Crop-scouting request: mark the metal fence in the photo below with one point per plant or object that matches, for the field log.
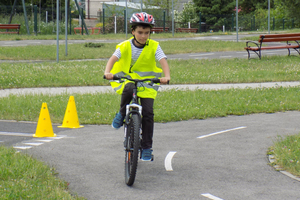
(110, 23)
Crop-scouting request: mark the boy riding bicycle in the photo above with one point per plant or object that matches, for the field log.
(136, 58)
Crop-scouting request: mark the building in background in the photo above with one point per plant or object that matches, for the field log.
(94, 8)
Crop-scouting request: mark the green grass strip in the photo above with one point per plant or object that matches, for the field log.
(89, 73)
(169, 106)
(23, 177)
(287, 153)
(79, 51)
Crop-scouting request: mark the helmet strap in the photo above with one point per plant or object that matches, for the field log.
(146, 44)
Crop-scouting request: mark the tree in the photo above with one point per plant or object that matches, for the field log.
(163, 4)
(213, 12)
(250, 6)
(290, 8)
(188, 14)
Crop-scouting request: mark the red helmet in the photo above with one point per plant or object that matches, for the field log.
(142, 18)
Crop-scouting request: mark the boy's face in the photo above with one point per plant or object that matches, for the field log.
(141, 34)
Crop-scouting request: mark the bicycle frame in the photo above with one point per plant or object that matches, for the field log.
(132, 133)
(134, 107)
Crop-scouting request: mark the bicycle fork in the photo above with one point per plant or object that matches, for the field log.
(131, 109)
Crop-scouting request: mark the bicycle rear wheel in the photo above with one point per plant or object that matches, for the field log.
(132, 145)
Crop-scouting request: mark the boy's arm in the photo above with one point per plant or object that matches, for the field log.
(109, 66)
(164, 64)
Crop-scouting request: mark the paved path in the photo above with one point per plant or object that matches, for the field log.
(105, 89)
(222, 158)
(53, 42)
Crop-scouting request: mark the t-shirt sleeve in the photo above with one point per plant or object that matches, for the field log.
(117, 53)
(159, 53)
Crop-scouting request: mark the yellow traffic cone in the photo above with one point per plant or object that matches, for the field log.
(71, 117)
(44, 126)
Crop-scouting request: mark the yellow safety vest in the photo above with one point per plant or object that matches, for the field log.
(144, 67)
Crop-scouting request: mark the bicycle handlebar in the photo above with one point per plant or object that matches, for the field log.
(154, 80)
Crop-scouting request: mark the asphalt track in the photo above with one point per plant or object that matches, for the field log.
(218, 158)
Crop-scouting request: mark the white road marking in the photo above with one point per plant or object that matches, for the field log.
(16, 134)
(58, 137)
(216, 133)
(30, 135)
(33, 143)
(22, 147)
(211, 196)
(168, 160)
(41, 140)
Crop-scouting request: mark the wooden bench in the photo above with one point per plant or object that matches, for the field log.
(10, 27)
(159, 29)
(91, 30)
(187, 30)
(292, 37)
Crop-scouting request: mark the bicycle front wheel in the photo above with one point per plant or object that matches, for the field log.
(132, 145)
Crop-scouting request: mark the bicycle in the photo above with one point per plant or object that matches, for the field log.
(132, 130)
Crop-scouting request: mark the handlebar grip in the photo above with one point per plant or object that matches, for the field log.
(157, 80)
(116, 77)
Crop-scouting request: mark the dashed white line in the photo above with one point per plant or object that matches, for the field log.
(211, 196)
(168, 160)
(22, 147)
(16, 134)
(45, 140)
(58, 137)
(219, 132)
(33, 143)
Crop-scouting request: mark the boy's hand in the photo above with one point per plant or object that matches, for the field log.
(164, 80)
(108, 76)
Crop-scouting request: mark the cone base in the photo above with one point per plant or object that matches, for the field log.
(62, 126)
(37, 135)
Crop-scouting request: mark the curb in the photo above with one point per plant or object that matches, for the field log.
(271, 159)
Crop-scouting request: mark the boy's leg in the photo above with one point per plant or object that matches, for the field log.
(147, 122)
(126, 97)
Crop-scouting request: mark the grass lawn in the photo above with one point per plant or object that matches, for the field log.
(84, 51)
(90, 73)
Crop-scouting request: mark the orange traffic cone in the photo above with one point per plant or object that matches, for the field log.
(71, 118)
(44, 126)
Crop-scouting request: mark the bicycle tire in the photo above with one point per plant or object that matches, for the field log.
(132, 149)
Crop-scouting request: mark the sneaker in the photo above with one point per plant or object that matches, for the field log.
(118, 121)
(146, 155)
